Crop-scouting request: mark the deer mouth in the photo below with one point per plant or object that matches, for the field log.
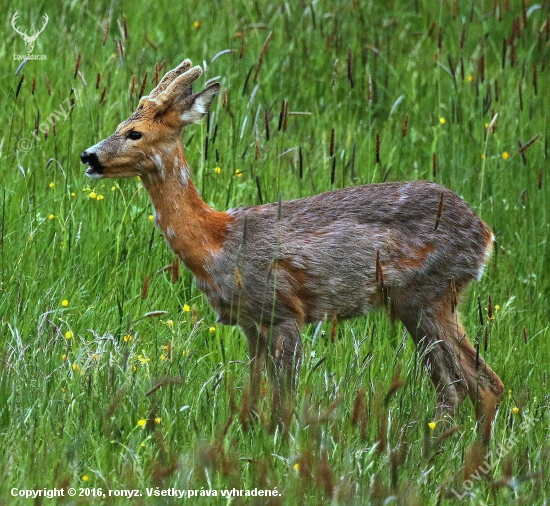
(94, 172)
(95, 167)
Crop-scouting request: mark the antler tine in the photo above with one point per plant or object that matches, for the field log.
(179, 87)
(15, 16)
(38, 32)
(183, 67)
(46, 19)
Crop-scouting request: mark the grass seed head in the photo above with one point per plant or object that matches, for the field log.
(324, 475)
(281, 116)
(105, 33)
(350, 68)
(175, 269)
(143, 84)
(132, 86)
(102, 98)
(266, 122)
(370, 92)
(285, 116)
(145, 287)
(261, 58)
(334, 329)
(405, 126)
(77, 66)
(47, 81)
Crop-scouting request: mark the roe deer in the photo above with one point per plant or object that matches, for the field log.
(410, 247)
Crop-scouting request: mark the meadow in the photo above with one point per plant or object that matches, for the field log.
(114, 375)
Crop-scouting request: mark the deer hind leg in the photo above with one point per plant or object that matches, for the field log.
(450, 359)
(485, 388)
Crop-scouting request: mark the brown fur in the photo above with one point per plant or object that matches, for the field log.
(409, 247)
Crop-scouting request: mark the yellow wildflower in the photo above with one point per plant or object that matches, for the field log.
(186, 308)
(515, 410)
(238, 173)
(151, 217)
(63, 357)
(64, 302)
(51, 216)
(75, 367)
(442, 120)
(170, 323)
(505, 155)
(296, 467)
(68, 334)
(432, 425)
(85, 477)
(157, 420)
(93, 195)
(212, 329)
(197, 24)
(127, 338)
(142, 422)
(218, 170)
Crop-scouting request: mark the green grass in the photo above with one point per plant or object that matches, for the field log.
(69, 408)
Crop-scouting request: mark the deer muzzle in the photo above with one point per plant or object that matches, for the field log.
(95, 167)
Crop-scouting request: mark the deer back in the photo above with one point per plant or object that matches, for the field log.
(333, 253)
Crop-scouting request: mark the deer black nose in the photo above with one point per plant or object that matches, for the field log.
(90, 158)
(85, 157)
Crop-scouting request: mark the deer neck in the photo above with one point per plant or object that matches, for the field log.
(194, 231)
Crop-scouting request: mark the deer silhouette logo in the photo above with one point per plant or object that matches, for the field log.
(29, 39)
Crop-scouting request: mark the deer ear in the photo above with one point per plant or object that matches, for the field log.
(193, 108)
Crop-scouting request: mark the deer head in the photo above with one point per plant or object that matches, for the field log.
(153, 131)
(29, 39)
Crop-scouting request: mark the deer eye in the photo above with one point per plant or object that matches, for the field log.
(133, 135)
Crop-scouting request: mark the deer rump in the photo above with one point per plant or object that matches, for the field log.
(345, 252)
